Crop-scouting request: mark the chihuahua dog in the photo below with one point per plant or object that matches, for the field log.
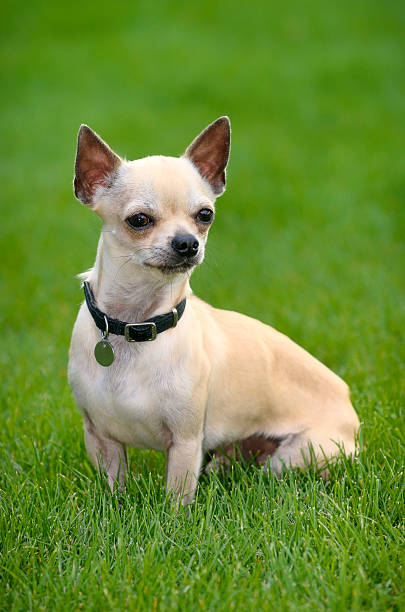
(153, 366)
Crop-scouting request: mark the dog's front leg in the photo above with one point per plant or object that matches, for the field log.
(106, 455)
(184, 459)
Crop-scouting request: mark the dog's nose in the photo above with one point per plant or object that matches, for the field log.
(185, 244)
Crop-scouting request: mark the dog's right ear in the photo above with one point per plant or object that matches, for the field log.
(95, 165)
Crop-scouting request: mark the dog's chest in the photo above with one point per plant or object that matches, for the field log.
(135, 399)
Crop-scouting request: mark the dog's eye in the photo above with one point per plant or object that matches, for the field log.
(205, 215)
(139, 221)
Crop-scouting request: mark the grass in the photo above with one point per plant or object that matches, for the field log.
(309, 238)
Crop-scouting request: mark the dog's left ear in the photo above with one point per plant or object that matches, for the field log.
(95, 165)
(209, 152)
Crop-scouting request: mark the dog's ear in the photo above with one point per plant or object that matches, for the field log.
(95, 165)
(209, 152)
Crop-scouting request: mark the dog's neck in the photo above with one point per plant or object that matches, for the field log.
(128, 291)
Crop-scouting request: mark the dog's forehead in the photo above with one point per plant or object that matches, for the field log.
(168, 181)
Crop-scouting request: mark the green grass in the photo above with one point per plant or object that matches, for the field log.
(309, 238)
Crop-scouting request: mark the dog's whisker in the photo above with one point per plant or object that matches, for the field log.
(122, 265)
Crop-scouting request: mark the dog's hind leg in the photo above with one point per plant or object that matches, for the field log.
(300, 450)
(107, 455)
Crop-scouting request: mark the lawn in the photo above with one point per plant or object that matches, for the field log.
(309, 238)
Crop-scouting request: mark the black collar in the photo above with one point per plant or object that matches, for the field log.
(133, 332)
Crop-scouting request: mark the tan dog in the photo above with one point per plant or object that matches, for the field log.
(218, 377)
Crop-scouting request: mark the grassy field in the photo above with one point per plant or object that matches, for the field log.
(309, 238)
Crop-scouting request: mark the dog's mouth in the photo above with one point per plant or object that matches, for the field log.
(174, 268)
(169, 262)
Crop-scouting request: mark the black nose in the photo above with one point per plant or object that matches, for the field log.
(185, 244)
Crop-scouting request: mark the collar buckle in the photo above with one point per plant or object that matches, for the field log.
(175, 317)
(135, 326)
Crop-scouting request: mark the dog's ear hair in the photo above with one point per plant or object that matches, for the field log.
(95, 165)
(209, 153)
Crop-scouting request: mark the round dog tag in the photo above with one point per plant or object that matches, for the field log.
(104, 353)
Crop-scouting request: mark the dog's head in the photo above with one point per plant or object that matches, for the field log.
(158, 209)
